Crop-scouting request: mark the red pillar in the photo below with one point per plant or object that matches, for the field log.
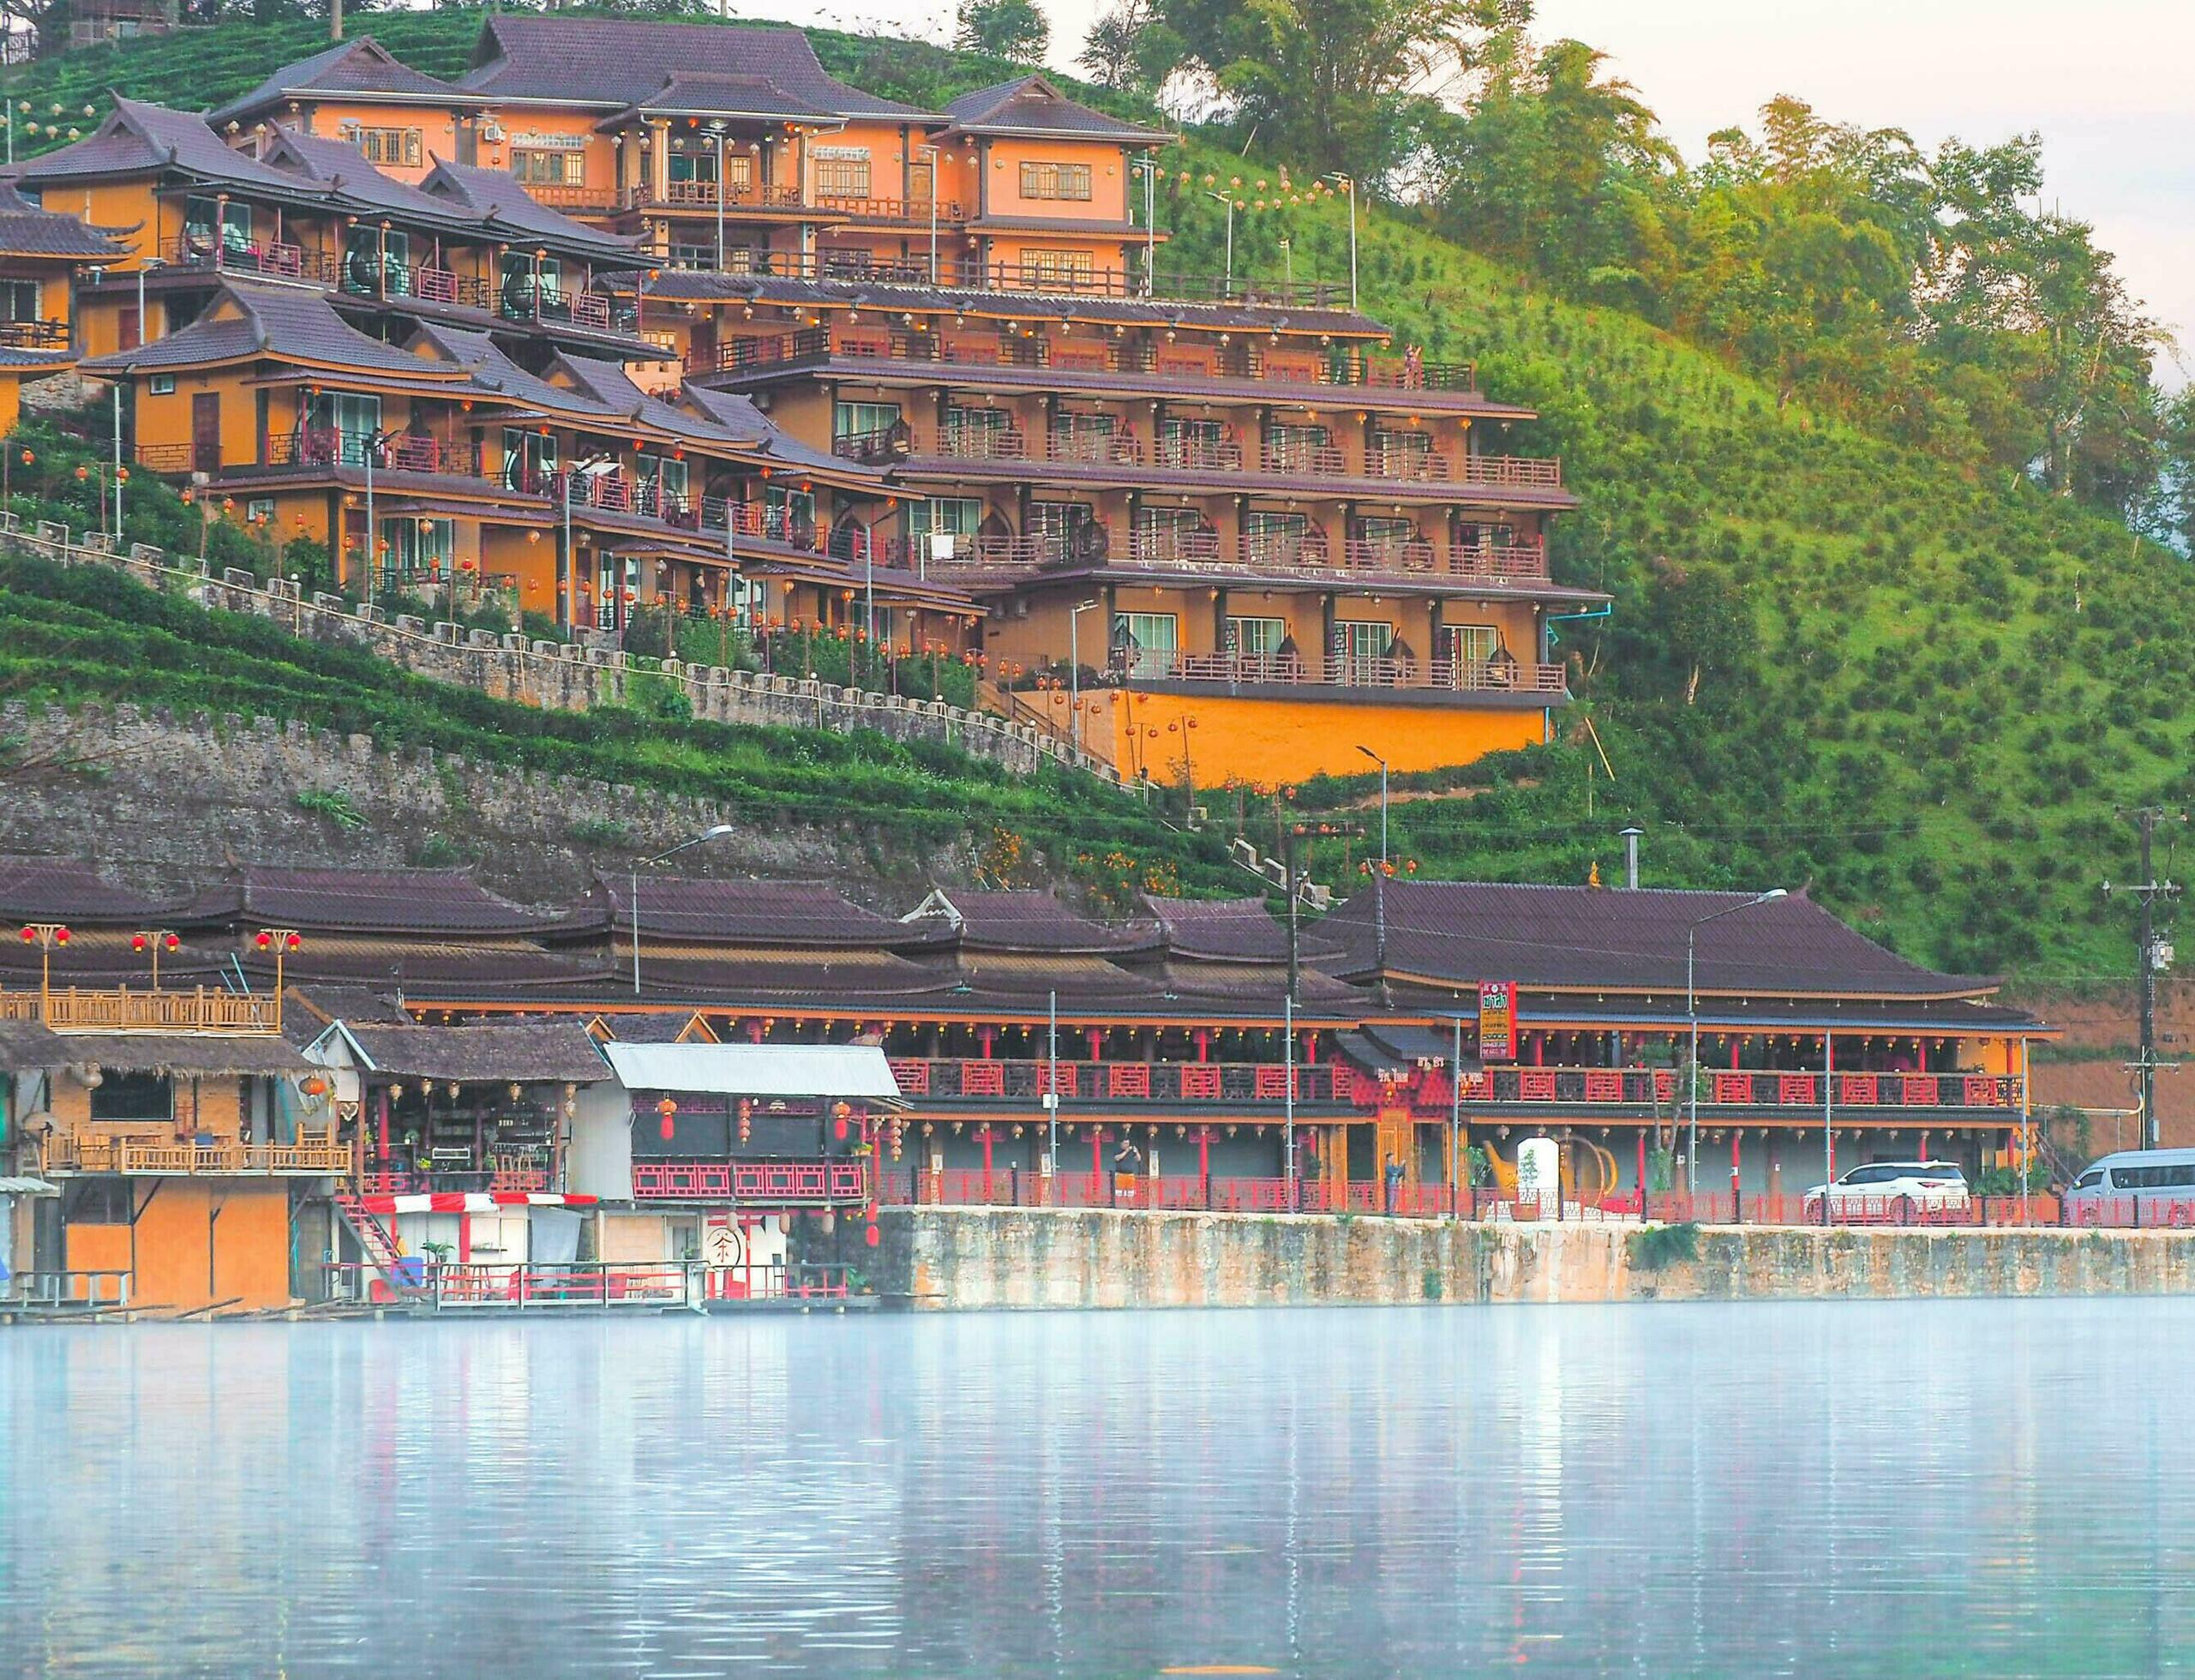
(1922, 1154)
(1203, 1044)
(1097, 1161)
(987, 1161)
(1204, 1153)
(986, 1033)
(1737, 1134)
(1642, 1171)
(1096, 1039)
(1311, 1049)
(384, 1126)
(1734, 1049)
(1539, 1049)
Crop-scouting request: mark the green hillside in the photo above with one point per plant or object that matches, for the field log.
(1925, 689)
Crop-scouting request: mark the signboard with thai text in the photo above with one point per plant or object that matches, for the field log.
(1497, 1020)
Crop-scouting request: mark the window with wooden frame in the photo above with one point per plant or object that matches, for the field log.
(841, 177)
(1057, 181)
(387, 148)
(549, 169)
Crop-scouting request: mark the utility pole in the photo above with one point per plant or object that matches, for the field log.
(2153, 957)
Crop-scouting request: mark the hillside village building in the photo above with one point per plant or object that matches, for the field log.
(654, 315)
(377, 1053)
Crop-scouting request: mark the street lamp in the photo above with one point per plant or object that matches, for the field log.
(281, 941)
(1075, 670)
(45, 935)
(1183, 727)
(717, 127)
(1692, 1014)
(155, 940)
(1349, 182)
(1229, 200)
(717, 831)
(934, 154)
(1379, 881)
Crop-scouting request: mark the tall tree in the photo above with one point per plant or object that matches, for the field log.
(1132, 47)
(1012, 29)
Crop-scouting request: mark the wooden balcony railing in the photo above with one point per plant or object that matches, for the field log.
(34, 334)
(1347, 671)
(199, 1010)
(91, 1153)
(1639, 1086)
(963, 1080)
(891, 209)
(752, 1183)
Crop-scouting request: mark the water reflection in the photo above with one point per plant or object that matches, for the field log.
(1787, 1488)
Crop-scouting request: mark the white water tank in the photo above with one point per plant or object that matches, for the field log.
(1539, 1174)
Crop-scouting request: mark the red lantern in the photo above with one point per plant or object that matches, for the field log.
(174, 943)
(61, 936)
(137, 942)
(295, 942)
(667, 1108)
(30, 935)
(263, 940)
(871, 1237)
(746, 1119)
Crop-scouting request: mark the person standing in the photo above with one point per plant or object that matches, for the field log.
(1393, 1176)
(1127, 1162)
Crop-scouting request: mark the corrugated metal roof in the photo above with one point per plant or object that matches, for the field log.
(756, 1069)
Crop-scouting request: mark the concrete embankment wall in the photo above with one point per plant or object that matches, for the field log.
(941, 1257)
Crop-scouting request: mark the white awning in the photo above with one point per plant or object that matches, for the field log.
(756, 1069)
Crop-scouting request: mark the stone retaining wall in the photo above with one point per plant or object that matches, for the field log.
(951, 1257)
(552, 674)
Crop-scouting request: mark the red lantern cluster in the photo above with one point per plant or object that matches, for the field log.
(746, 1119)
(265, 941)
(60, 936)
(141, 942)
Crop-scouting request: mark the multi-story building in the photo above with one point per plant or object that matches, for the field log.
(334, 355)
(42, 254)
(1210, 528)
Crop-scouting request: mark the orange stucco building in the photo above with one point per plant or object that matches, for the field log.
(638, 313)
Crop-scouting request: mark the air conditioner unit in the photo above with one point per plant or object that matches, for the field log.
(1318, 897)
(491, 132)
(1243, 853)
(1275, 872)
(1197, 818)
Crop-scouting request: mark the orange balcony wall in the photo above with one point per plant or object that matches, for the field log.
(434, 132)
(1004, 193)
(1272, 742)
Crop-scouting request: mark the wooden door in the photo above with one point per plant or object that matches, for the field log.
(206, 432)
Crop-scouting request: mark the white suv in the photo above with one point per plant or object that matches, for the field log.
(1893, 1192)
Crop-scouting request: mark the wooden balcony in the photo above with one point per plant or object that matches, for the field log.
(1200, 1084)
(123, 1010)
(313, 1156)
(808, 1183)
(1649, 1088)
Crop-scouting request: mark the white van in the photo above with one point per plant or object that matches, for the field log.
(2134, 1187)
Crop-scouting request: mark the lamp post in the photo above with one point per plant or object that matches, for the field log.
(1185, 727)
(1075, 670)
(716, 831)
(1052, 1094)
(1692, 1014)
(1350, 184)
(717, 127)
(45, 935)
(155, 940)
(1147, 165)
(281, 941)
(1379, 881)
(1229, 200)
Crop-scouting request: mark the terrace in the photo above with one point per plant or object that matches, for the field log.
(1309, 558)
(310, 1156)
(121, 1010)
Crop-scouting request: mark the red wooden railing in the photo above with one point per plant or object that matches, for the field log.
(766, 1182)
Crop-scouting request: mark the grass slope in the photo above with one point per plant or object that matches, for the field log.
(1832, 661)
(70, 635)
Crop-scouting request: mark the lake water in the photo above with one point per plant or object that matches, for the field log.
(1834, 1488)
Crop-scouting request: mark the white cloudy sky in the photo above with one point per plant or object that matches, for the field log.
(2107, 83)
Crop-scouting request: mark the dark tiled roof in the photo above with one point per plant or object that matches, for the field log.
(65, 889)
(138, 135)
(27, 231)
(681, 284)
(803, 915)
(399, 964)
(288, 323)
(431, 901)
(494, 194)
(322, 1004)
(739, 417)
(491, 370)
(360, 66)
(1030, 922)
(832, 977)
(1233, 929)
(609, 384)
(1031, 104)
(1464, 933)
(339, 165)
(521, 1051)
(650, 1026)
(733, 95)
(624, 61)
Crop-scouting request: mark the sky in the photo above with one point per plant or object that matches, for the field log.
(2105, 82)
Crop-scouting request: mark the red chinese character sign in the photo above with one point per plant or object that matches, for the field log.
(1497, 1020)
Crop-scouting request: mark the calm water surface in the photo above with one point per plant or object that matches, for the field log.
(1843, 1488)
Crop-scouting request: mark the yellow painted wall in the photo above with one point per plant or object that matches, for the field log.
(196, 1242)
(1271, 742)
(1108, 199)
(438, 129)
